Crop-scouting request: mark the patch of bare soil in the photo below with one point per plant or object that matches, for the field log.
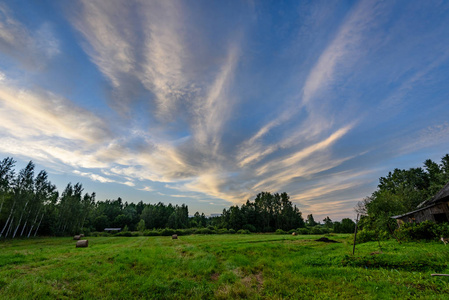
(326, 240)
(215, 276)
(253, 281)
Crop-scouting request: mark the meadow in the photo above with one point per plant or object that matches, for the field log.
(255, 266)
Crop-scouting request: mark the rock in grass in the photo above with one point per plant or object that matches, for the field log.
(77, 237)
(81, 244)
(294, 233)
(174, 237)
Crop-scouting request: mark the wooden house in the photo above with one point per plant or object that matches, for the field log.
(435, 210)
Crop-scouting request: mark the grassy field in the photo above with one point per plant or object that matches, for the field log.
(221, 267)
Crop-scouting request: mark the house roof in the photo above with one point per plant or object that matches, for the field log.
(442, 195)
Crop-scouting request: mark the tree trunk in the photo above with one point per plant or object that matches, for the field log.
(9, 228)
(39, 224)
(20, 221)
(34, 222)
(10, 214)
(3, 201)
(26, 221)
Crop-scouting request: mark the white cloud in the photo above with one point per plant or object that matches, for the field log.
(31, 48)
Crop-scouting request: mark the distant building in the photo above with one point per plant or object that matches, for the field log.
(435, 210)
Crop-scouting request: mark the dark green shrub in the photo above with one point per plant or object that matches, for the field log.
(222, 231)
(204, 231)
(151, 233)
(302, 231)
(231, 231)
(250, 227)
(366, 235)
(316, 230)
(243, 231)
(426, 230)
(280, 231)
(167, 232)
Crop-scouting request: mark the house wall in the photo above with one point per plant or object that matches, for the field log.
(427, 214)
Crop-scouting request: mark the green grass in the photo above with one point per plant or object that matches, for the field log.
(221, 267)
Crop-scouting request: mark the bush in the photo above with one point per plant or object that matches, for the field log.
(151, 233)
(366, 235)
(291, 231)
(243, 231)
(426, 230)
(249, 227)
(123, 233)
(280, 231)
(231, 231)
(316, 230)
(302, 231)
(222, 231)
(100, 234)
(167, 232)
(204, 231)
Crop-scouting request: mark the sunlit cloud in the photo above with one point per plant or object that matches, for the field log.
(178, 102)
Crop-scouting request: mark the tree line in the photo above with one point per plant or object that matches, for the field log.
(31, 205)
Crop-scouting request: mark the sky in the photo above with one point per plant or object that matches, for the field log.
(208, 103)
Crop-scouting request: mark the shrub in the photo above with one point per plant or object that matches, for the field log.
(231, 231)
(426, 230)
(280, 231)
(366, 235)
(316, 230)
(100, 234)
(151, 233)
(204, 231)
(222, 231)
(167, 232)
(243, 231)
(291, 231)
(302, 231)
(250, 227)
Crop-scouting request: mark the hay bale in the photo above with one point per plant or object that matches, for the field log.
(81, 244)
(174, 237)
(294, 233)
(76, 237)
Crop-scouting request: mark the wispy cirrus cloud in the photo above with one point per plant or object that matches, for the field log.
(32, 48)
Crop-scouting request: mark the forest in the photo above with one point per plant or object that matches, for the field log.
(31, 205)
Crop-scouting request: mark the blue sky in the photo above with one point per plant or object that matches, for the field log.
(210, 102)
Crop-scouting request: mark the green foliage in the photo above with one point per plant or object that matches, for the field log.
(243, 231)
(141, 225)
(423, 231)
(151, 233)
(302, 231)
(345, 226)
(280, 231)
(400, 192)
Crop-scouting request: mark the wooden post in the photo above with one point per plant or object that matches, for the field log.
(355, 233)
